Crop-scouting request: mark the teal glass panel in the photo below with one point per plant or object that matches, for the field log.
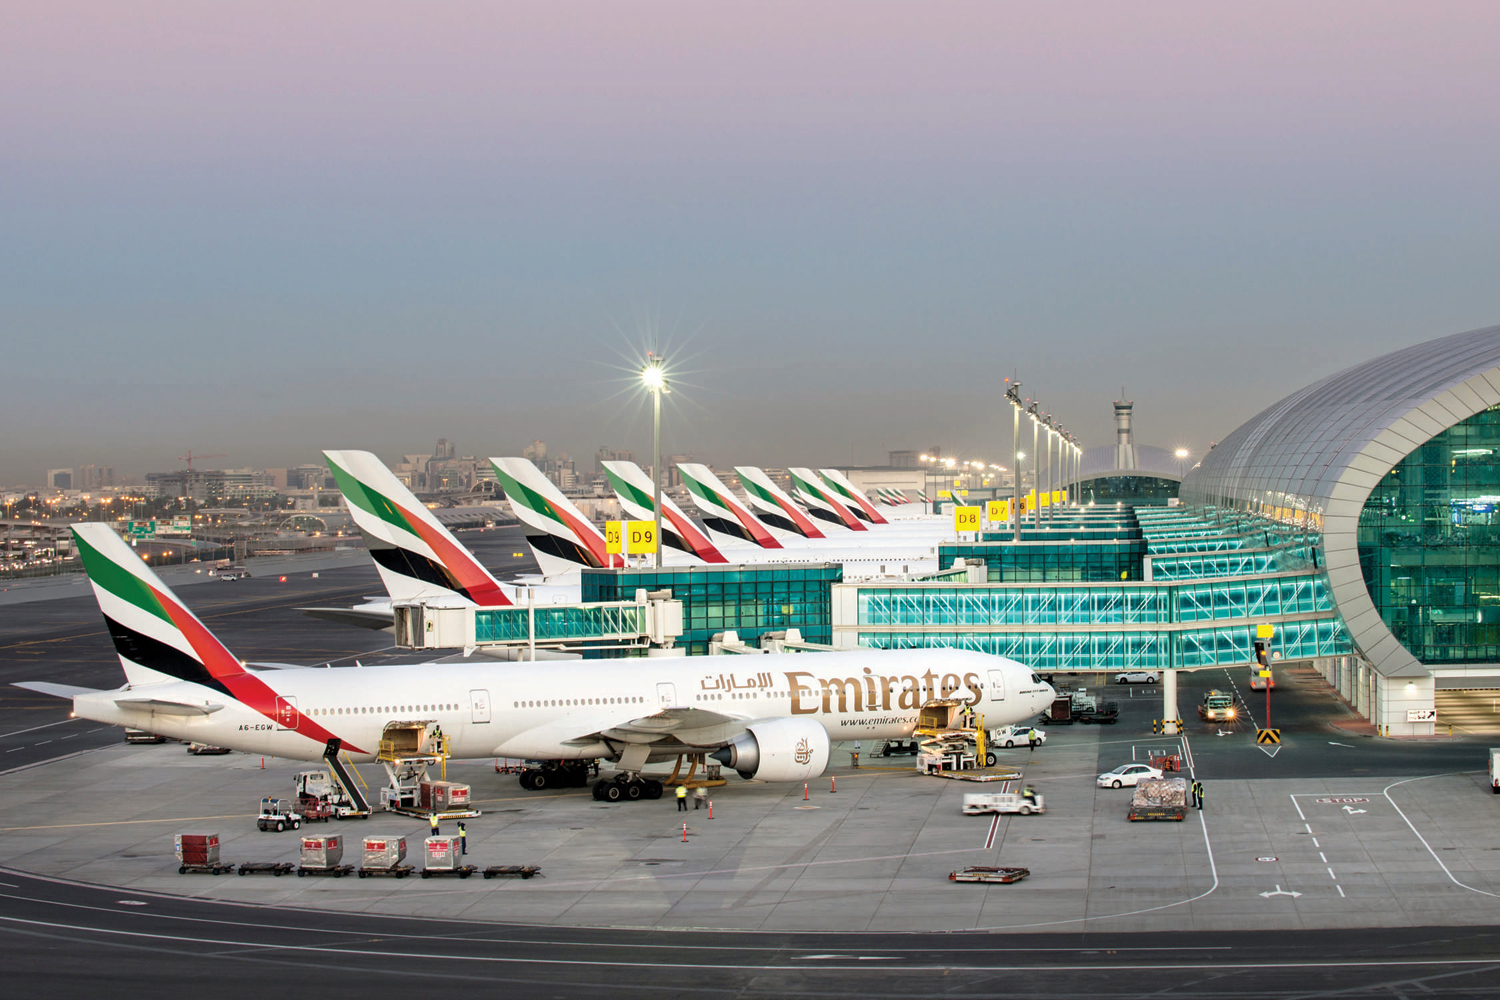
(1429, 544)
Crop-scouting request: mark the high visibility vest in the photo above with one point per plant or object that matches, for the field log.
(682, 791)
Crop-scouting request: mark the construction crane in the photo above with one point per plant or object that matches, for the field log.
(189, 458)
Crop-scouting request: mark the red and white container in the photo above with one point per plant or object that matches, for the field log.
(440, 795)
(442, 852)
(197, 848)
(322, 852)
(384, 852)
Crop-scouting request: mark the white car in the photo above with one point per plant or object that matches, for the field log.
(1127, 776)
(1138, 677)
(1012, 736)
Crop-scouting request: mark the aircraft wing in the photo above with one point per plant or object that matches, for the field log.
(693, 727)
(374, 618)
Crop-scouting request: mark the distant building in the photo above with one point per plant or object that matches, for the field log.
(445, 449)
(1126, 472)
(96, 477)
(535, 452)
(60, 479)
(903, 459)
(605, 454)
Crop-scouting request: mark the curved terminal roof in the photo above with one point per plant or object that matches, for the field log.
(1099, 462)
(1314, 457)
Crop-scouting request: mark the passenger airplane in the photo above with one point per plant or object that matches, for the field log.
(771, 718)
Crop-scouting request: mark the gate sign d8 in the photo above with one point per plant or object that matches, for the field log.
(965, 518)
(642, 537)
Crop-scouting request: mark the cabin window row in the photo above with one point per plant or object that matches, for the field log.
(445, 707)
(568, 702)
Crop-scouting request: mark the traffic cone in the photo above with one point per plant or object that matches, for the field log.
(684, 833)
(804, 791)
(710, 808)
(835, 787)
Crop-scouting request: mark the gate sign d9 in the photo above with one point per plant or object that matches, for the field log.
(965, 518)
(642, 537)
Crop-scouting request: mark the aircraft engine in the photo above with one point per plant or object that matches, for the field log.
(778, 750)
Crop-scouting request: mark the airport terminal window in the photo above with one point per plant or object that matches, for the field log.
(1429, 544)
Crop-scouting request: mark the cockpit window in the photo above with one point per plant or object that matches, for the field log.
(1036, 678)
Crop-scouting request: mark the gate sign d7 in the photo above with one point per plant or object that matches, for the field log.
(965, 518)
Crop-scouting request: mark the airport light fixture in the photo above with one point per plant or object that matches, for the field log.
(655, 381)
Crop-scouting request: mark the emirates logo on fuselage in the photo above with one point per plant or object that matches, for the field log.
(803, 753)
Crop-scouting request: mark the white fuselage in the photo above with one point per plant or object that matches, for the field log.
(558, 710)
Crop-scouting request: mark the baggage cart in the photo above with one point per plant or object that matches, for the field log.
(278, 815)
(277, 868)
(442, 858)
(441, 796)
(322, 856)
(985, 873)
(384, 856)
(199, 853)
(1167, 762)
(1159, 799)
(512, 871)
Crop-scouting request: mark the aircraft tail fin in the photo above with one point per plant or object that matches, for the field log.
(633, 487)
(561, 538)
(416, 555)
(852, 496)
(723, 513)
(775, 507)
(821, 502)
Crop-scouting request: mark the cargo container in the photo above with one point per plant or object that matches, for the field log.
(437, 796)
(384, 852)
(442, 852)
(322, 852)
(197, 848)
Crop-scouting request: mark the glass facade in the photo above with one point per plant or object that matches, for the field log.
(751, 600)
(599, 623)
(1051, 561)
(1137, 490)
(1429, 545)
(1203, 610)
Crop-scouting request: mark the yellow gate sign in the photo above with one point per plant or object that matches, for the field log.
(612, 537)
(642, 537)
(997, 511)
(1265, 631)
(1268, 736)
(965, 518)
(945, 494)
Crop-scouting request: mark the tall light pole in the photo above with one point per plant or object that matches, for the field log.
(655, 381)
(1013, 394)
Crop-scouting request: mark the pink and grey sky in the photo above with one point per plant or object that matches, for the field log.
(267, 229)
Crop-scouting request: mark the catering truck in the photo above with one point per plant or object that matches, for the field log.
(1217, 706)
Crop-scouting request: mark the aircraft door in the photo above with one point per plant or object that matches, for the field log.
(666, 696)
(286, 713)
(997, 685)
(479, 703)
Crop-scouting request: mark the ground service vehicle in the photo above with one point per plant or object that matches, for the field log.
(1217, 706)
(141, 736)
(278, 815)
(1259, 683)
(1127, 776)
(206, 749)
(1012, 736)
(978, 803)
(1137, 677)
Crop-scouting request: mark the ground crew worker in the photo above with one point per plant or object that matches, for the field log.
(432, 822)
(463, 838)
(1031, 738)
(700, 797)
(682, 798)
(1029, 794)
(1198, 794)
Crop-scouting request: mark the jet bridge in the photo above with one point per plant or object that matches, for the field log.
(652, 619)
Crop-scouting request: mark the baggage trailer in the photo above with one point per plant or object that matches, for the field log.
(985, 873)
(277, 868)
(1159, 799)
(512, 871)
(442, 858)
(383, 856)
(323, 856)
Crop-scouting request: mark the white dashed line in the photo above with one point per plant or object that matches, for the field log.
(1332, 875)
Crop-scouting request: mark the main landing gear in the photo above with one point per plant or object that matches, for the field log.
(627, 787)
(556, 776)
